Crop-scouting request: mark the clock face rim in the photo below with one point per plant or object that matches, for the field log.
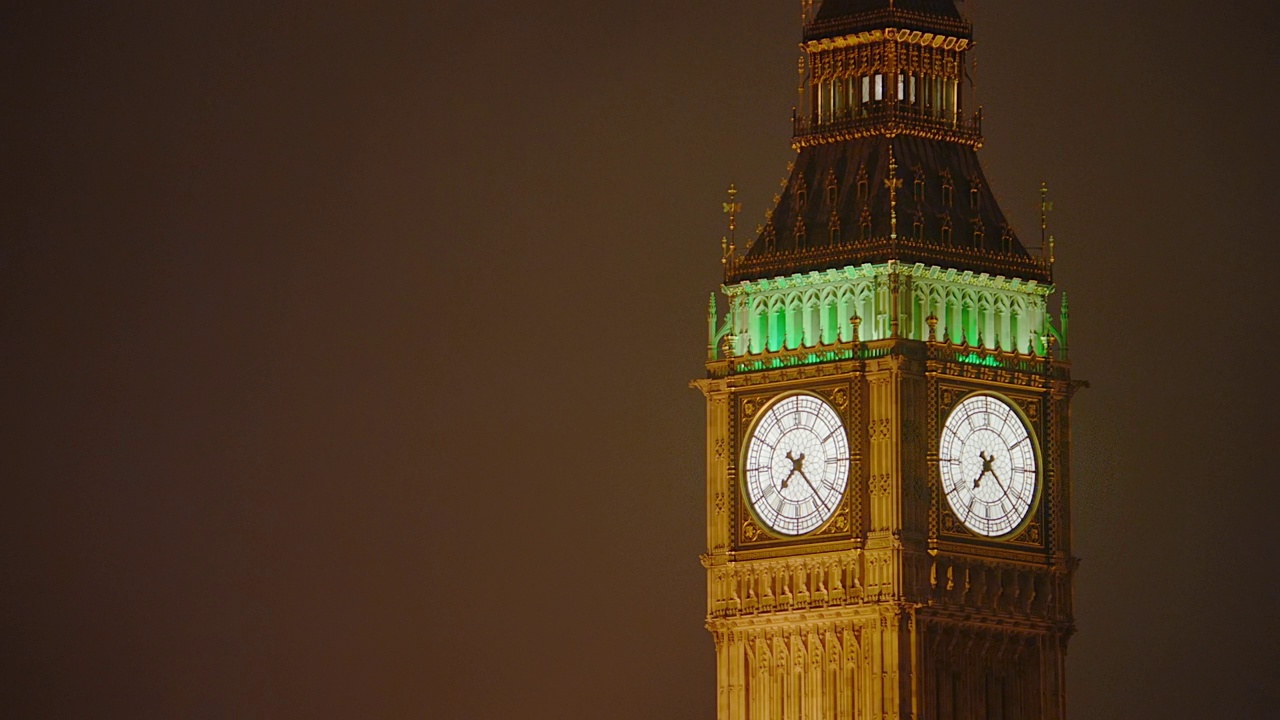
(745, 451)
(1033, 507)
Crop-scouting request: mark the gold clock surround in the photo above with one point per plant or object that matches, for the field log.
(1028, 516)
(750, 533)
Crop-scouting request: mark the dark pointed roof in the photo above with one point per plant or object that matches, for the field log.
(836, 211)
(846, 17)
(837, 8)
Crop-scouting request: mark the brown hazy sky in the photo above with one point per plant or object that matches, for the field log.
(345, 345)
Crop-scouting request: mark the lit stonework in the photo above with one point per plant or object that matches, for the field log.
(887, 290)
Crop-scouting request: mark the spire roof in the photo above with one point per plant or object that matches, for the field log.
(837, 210)
(839, 8)
(844, 17)
(887, 167)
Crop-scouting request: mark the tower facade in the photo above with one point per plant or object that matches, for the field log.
(888, 422)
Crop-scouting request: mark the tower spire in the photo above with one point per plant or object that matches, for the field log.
(729, 245)
(893, 182)
(1046, 207)
(1046, 238)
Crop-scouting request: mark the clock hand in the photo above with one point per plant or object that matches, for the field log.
(787, 480)
(796, 464)
(809, 482)
(986, 468)
(1000, 482)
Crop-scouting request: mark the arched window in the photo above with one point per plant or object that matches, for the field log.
(778, 333)
(812, 321)
(919, 311)
(760, 329)
(795, 325)
(1015, 330)
(831, 321)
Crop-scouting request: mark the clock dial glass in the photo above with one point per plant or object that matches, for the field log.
(987, 463)
(797, 465)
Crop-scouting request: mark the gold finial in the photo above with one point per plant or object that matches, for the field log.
(728, 246)
(1046, 207)
(800, 73)
(732, 208)
(893, 182)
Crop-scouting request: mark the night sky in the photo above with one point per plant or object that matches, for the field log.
(345, 346)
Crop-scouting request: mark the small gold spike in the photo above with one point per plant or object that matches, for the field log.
(1046, 207)
(893, 182)
(728, 246)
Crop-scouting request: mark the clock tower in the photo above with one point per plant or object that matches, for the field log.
(888, 455)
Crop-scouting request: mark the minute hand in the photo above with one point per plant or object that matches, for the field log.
(809, 482)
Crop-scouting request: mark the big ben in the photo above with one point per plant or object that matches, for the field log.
(888, 408)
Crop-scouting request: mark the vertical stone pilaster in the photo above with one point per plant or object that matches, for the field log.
(883, 431)
(718, 466)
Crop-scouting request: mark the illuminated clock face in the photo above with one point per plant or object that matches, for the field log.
(987, 462)
(797, 465)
